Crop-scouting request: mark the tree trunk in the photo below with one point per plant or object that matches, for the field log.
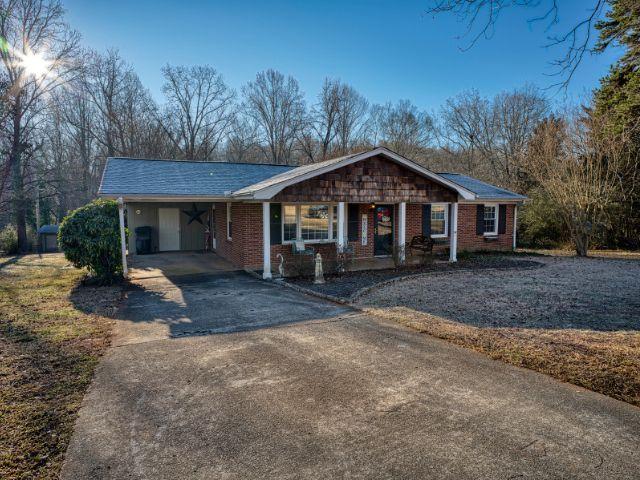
(581, 241)
(17, 180)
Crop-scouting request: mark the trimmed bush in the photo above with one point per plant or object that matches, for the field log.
(90, 238)
(9, 240)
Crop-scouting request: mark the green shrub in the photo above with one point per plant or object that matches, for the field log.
(90, 238)
(9, 240)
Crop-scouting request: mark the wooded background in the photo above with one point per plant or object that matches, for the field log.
(64, 109)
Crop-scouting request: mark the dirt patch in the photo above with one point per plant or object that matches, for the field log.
(48, 351)
(575, 319)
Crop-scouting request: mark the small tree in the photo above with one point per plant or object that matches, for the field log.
(90, 237)
(580, 167)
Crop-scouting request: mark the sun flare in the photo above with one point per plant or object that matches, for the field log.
(35, 64)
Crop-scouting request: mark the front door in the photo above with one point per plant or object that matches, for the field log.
(383, 230)
(168, 229)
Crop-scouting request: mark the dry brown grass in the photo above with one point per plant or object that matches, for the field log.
(605, 362)
(51, 337)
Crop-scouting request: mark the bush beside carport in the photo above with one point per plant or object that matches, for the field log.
(90, 238)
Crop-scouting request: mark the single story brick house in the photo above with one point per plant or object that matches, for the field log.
(370, 204)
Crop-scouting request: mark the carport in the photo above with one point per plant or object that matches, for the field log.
(177, 264)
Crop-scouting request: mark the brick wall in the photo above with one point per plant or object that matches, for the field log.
(467, 238)
(245, 247)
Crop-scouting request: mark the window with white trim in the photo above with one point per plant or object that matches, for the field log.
(289, 223)
(310, 223)
(229, 222)
(490, 219)
(439, 220)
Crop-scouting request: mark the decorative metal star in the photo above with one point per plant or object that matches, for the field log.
(194, 214)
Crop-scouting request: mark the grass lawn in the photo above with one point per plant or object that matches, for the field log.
(577, 320)
(52, 334)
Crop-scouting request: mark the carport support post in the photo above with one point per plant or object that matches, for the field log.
(266, 241)
(453, 244)
(340, 223)
(123, 238)
(402, 228)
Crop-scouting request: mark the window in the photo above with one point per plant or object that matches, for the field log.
(289, 223)
(229, 222)
(490, 219)
(310, 223)
(314, 222)
(439, 220)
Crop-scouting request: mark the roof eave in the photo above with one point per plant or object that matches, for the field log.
(128, 197)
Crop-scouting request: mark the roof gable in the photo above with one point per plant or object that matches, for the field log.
(268, 188)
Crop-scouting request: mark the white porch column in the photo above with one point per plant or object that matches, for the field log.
(453, 244)
(515, 224)
(340, 222)
(266, 241)
(402, 229)
(123, 238)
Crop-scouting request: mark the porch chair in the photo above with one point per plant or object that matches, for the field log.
(421, 243)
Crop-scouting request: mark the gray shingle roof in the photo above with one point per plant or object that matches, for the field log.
(129, 176)
(481, 189)
(291, 174)
(175, 178)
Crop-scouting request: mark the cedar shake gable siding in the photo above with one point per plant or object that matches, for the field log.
(373, 180)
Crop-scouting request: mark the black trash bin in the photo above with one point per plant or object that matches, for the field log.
(143, 240)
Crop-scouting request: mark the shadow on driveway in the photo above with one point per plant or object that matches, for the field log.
(176, 306)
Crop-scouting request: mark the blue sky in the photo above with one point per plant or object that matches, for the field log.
(387, 50)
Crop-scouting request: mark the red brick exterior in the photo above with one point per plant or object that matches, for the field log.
(467, 238)
(245, 247)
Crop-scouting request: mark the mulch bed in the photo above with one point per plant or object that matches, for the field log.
(345, 285)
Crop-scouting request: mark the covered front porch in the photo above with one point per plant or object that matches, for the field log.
(356, 236)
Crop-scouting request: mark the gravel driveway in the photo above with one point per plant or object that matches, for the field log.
(566, 293)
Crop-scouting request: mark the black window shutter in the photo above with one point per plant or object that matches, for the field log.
(353, 223)
(502, 219)
(276, 223)
(480, 219)
(426, 220)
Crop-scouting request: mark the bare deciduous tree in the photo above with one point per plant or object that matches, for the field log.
(351, 122)
(467, 129)
(482, 16)
(491, 137)
(335, 124)
(242, 140)
(126, 115)
(276, 104)
(38, 53)
(580, 167)
(402, 127)
(199, 110)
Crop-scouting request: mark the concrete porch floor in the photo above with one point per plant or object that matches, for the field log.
(172, 264)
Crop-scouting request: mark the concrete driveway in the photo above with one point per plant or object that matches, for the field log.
(279, 385)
